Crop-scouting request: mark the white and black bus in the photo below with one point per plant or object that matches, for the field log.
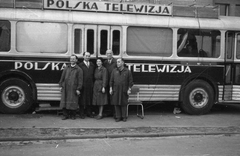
(36, 43)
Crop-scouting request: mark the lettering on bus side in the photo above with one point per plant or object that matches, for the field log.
(78, 5)
(39, 65)
(162, 68)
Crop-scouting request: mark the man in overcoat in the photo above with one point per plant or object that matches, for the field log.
(120, 83)
(110, 63)
(70, 84)
(87, 90)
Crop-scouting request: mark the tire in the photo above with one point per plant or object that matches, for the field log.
(16, 96)
(198, 98)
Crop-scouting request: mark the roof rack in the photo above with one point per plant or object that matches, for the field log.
(179, 8)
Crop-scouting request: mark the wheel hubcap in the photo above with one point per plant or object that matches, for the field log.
(198, 98)
(13, 96)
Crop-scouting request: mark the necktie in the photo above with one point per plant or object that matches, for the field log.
(109, 61)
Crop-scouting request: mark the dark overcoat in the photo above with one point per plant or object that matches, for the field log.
(71, 80)
(101, 80)
(87, 89)
(120, 82)
(110, 66)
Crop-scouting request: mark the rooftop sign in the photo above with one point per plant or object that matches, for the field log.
(136, 8)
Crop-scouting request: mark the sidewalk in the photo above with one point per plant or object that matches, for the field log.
(42, 126)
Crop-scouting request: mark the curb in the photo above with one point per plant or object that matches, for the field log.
(112, 136)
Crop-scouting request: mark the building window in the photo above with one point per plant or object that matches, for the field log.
(224, 9)
(237, 10)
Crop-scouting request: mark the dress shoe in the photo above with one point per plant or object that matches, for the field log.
(124, 120)
(98, 117)
(73, 117)
(82, 116)
(90, 116)
(117, 119)
(64, 118)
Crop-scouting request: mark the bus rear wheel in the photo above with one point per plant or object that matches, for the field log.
(16, 96)
(198, 98)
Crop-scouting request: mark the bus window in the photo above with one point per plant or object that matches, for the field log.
(116, 42)
(229, 44)
(78, 41)
(238, 47)
(90, 41)
(38, 37)
(237, 70)
(198, 43)
(237, 74)
(5, 34)
(149, 41)
(103, 42)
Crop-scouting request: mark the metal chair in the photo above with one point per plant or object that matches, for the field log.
(135, 101)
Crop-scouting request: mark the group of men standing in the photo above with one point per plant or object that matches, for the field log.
(77, 83)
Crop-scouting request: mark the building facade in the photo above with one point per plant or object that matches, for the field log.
(226, 7)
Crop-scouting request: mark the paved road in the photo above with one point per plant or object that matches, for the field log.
(155, 116)
(159, 121)
(170, 146)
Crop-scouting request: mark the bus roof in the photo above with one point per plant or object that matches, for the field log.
(117, 6)
(221, 23)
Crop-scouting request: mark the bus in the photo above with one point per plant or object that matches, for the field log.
(188, 55)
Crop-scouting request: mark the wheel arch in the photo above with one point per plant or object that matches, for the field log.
(23, 76)
(203, 77)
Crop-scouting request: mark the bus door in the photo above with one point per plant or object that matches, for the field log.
(97, 39)
(85, 39)
(109, 37)
(232, 67)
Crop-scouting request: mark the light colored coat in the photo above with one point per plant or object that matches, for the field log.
(71, 80)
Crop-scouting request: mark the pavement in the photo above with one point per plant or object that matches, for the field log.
(159, 121)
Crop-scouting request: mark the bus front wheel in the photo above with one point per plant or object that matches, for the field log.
(16, 96)
(198, 98)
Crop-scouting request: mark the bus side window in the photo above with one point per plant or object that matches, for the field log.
(103, 42)
(209, 43)
(5, 34)
(204, 43)
(116, 42)
(149, 41)
(238, 47)
(237, 72)
(41, 37)
(229, 42)
(90, 41)
(187, 45)
(77, 41)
